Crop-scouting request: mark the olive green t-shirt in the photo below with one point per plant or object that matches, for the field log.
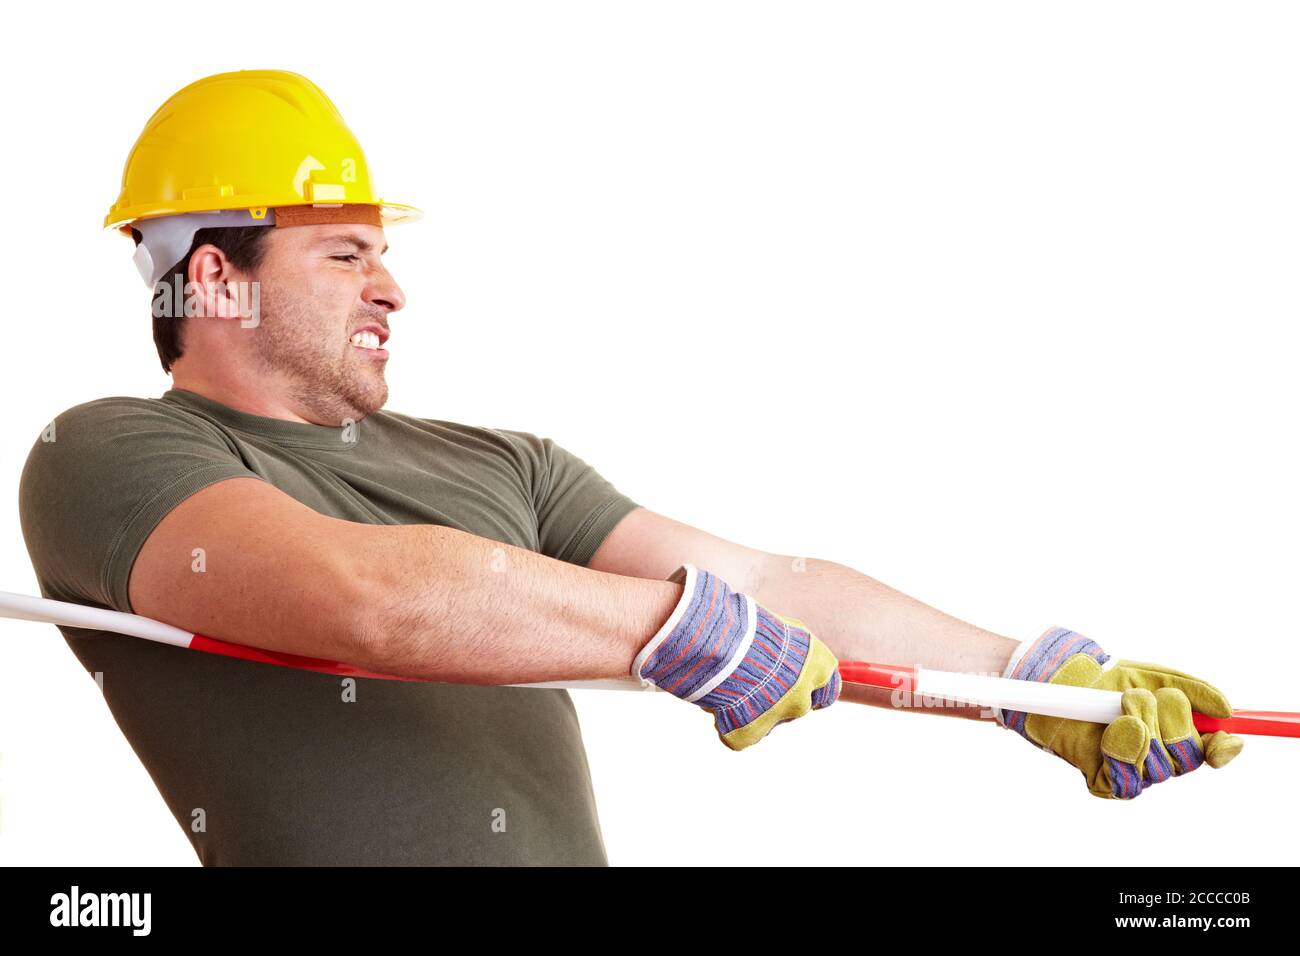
(262, 764)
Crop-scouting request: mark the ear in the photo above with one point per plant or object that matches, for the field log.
(214, 288)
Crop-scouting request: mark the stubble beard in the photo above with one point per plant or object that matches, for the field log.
(335, 386)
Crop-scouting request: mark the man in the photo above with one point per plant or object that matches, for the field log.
(267, 499)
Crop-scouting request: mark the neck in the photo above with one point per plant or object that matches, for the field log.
(265, 397)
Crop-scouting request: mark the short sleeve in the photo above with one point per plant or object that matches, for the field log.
(98, 481)
(576, 506)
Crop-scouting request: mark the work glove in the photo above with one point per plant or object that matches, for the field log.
(1151, 742)
(728, 654)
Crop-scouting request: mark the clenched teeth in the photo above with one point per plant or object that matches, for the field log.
(365, 340)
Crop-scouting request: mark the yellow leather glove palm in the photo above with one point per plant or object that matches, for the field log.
(1155, 738)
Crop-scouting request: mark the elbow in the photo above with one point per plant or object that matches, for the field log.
(351, 612)
(386, 626)
(365, 620)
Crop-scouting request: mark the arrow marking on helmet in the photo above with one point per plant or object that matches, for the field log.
(308, 166)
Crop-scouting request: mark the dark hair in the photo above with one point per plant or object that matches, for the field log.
(242, 245)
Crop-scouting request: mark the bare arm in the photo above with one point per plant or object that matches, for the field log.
(856, 616)
(458, 607)
(414, 600)
(861, 619)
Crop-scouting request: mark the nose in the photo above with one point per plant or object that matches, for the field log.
(383, 290)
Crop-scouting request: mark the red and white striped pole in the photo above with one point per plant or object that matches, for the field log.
(1075, 703)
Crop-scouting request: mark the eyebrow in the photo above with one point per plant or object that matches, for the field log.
(360, 244)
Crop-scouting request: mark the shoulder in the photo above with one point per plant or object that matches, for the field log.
(111, 413)
(116, 430)
(105, 409)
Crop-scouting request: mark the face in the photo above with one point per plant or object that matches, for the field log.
(325, 302)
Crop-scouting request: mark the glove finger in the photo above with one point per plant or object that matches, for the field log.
(1177, 731)
(1220, 747)
(1159, 765)
(1126, 745)
(1206, 698)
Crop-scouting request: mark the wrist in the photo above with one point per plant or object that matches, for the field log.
(684, 579)
(665, 604)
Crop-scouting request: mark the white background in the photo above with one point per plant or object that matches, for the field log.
(995, 302)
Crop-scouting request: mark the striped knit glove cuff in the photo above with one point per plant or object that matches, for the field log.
(750, 668)
(1038, 660)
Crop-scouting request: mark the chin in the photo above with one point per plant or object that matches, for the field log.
(373, 399)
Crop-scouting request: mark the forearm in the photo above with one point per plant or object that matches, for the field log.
(450, 606)
(861, 619)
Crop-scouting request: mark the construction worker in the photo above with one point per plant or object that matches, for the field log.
(269, 499)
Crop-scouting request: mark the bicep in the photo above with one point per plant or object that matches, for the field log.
(650, 545)
(242, 561)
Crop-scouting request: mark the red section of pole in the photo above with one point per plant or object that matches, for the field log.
(1269, 723)
(243, 652)
(889, 676)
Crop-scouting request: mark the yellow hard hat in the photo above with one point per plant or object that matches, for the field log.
(248, 140)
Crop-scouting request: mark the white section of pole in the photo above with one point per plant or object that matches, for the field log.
(1053, 700)
(44, 610)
